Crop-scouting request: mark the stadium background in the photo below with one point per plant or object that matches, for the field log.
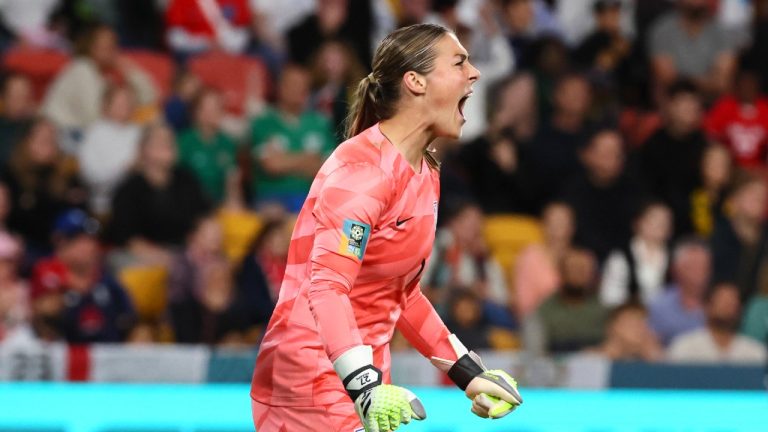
(602, 223)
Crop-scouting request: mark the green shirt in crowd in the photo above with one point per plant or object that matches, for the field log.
(210, 161)
(755, 323)
(572, 326)
(309, 133)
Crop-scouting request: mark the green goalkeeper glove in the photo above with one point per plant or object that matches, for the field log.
(493, 392)
(381, 407)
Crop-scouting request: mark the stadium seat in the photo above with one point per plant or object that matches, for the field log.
(40, 65)
(508, 235)
(159, 66)
(240, 228)
(234, 76)
(147, 286)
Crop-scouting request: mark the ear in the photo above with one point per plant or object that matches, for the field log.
(416, 83)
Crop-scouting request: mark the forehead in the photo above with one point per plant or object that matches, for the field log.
(449, 45)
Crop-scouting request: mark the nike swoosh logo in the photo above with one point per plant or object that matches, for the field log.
(400, 222)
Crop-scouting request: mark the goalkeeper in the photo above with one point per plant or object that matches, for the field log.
(358, 249)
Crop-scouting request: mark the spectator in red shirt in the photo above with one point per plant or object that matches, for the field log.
(200, 25)
(740, 121)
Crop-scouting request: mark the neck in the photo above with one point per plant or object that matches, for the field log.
(410, 136)
(206, 131)
(722, 338)
(690, 301)
(157, 176)
(569, 122)
(288, 111)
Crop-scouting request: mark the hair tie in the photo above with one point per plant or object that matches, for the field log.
(372, 79)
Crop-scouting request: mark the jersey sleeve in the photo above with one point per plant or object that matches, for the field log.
(423, 328)
(347, 209)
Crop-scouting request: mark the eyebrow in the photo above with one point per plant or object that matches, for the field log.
(462, 57)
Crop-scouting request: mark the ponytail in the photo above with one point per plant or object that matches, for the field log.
(364, 112)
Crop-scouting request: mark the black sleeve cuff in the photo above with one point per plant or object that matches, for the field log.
(463, 371)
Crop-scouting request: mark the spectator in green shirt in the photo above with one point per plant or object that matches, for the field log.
(205, 149)
(289, 143)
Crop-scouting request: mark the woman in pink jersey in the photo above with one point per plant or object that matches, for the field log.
(358, 249)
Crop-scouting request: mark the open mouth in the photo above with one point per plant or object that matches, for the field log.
(463, 101)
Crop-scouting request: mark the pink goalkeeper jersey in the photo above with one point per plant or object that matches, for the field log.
(358, 249)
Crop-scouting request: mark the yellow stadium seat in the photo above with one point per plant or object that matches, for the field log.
(240, 228)
(148, 287)
(507, 236)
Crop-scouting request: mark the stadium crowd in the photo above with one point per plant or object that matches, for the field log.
(608, 195)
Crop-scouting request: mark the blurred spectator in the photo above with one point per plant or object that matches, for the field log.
(689, 43)
(465, 319)
(537, 268)
(205, 149)
(109, 148)
(42, 183)
(187, 87)
(140, 24)
(74, 99)
(519, 19)
(335, 70)
(17, 109)
(739, 239)
(346, 20)
(719, 341)
(605, 52)
(578, 18)
(512, 105)
(757, 53)
(493, 57)
(670, 161)
(551, 65)
(572, 319)
(28, 22)
(460, 257)
(95, 307)
(204, 303)
(269, 256)
(496, 174)
(261, 273)
(556, 145)
(524, 21)
(740, 121)
(680, 308)
(157, 205)
(755, 322)
(195, 26)
(628, 336)
(638, 271)
(14, 296)
(604, 199)
(707, 199)
(289, 143)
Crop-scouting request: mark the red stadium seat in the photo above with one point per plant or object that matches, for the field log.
(158, 65)
(234, 76)
(40, 65)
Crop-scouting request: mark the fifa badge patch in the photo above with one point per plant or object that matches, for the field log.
(354, 238)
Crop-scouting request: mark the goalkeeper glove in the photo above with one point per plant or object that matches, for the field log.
(493, 392)
(381, 407)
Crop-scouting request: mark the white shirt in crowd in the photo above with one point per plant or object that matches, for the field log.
(651, 269)
(698, 346)
(106, 154)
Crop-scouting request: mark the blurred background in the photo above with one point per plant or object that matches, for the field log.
(602, 223)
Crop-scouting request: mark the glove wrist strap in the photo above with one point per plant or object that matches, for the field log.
(464, 370)
(362, 380)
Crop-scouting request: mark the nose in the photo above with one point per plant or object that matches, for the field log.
(474, 73)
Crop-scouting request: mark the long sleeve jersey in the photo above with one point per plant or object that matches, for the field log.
(357, 252)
